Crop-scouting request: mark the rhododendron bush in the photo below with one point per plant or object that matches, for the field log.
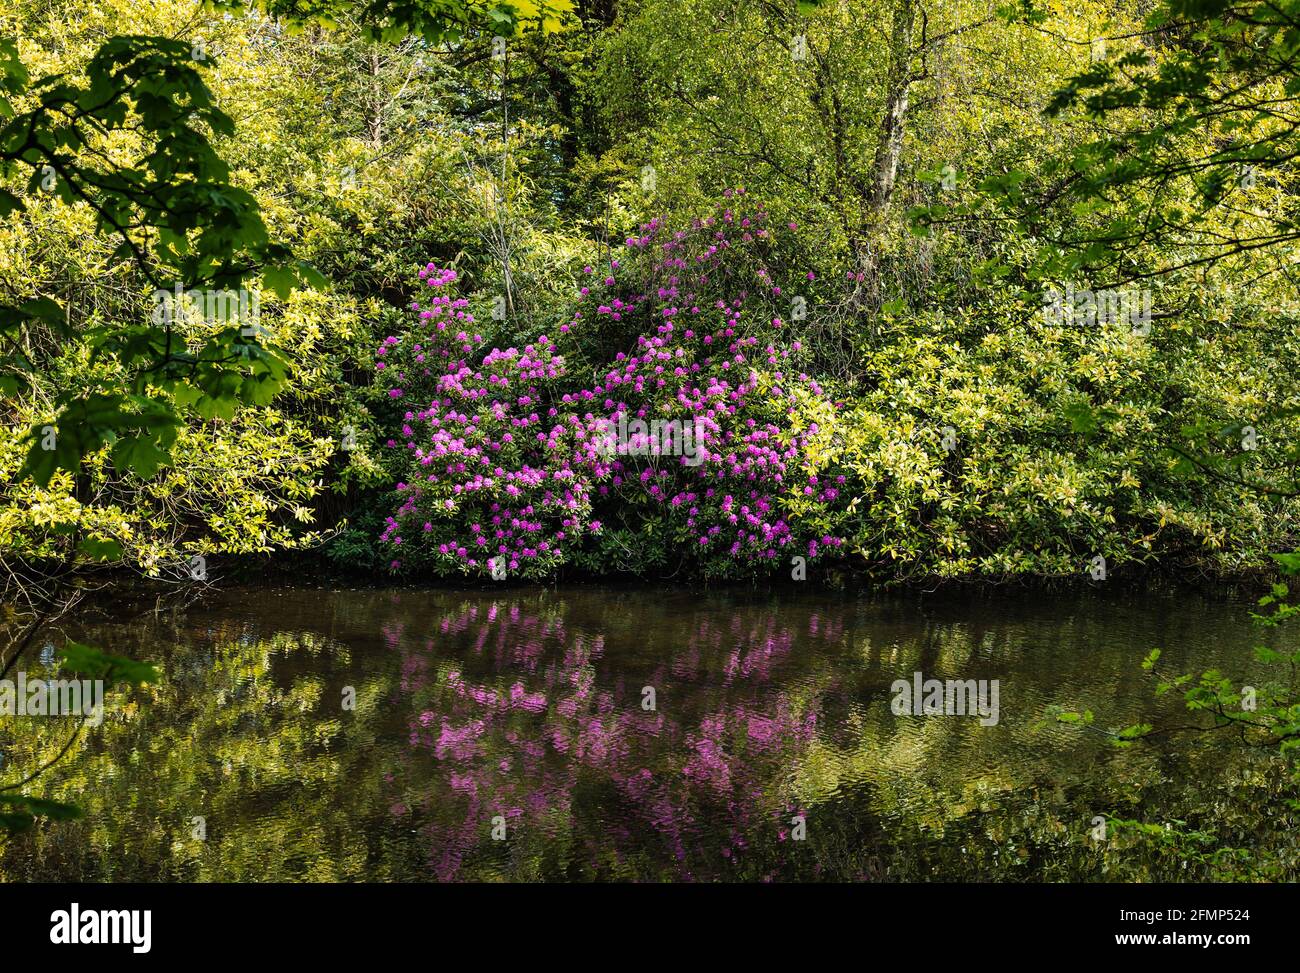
(665, 424)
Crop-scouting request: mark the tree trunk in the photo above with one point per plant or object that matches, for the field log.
(899, 86)
(884, 175)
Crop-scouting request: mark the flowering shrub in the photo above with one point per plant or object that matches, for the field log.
(698, 445)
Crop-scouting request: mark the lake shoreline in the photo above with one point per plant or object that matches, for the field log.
(280, 572)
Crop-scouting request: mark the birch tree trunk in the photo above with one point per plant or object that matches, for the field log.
(884, 174)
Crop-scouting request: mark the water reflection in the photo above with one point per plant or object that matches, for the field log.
(630, 734)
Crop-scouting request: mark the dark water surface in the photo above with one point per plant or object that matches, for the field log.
(524, 712)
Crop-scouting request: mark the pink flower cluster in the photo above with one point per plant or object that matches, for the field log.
(507, 462)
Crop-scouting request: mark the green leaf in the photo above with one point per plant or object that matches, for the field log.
(1083, 418)
(9, 203)
(309, 276)
(101, 665)
(1289, 563)
(101, 550)
(139, 455)
(279, 280)
(41, 807)
(16, 822)
(44, 309)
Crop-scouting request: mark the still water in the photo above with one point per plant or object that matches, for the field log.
(602, 733)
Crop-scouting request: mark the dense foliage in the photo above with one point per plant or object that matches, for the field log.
(943, 424)
(672, 288)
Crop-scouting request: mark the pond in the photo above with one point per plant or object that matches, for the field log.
(638, 733)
